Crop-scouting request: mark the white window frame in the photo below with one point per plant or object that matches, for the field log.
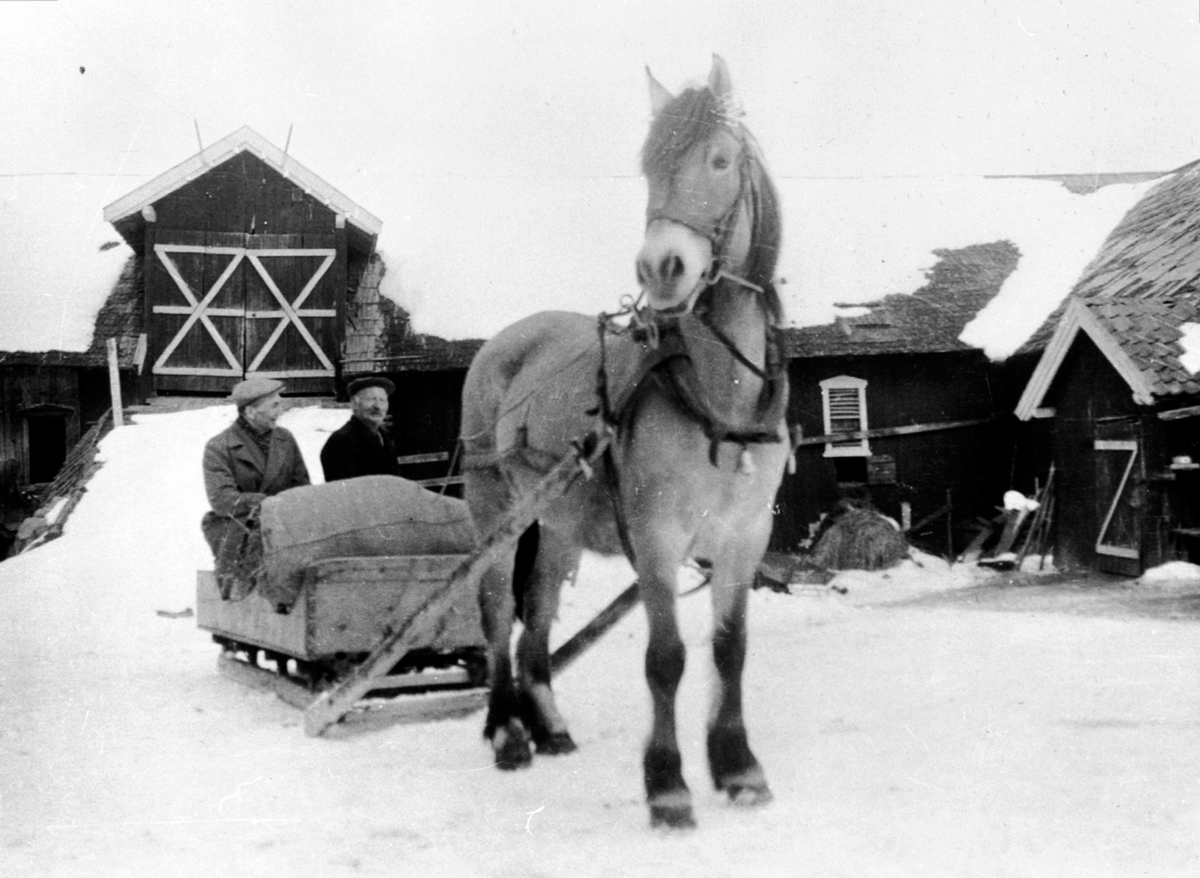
(841, 384)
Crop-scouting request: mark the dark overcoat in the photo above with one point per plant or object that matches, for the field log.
(354, 449)
(237, 476)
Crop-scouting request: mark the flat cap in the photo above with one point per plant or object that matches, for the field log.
(371, 381)
(253, 389)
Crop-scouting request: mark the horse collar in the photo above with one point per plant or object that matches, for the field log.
(668, 362)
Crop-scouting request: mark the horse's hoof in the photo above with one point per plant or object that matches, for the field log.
(512, 750)
(672, 817)
(746, 796)
(556, 744)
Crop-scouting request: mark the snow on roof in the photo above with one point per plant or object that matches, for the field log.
(1190, 342)
(529, 247)
(54, 274)
(468, 256)
(854, 241)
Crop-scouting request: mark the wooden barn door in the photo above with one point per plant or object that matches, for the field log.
(1120, 496)
(224, 305)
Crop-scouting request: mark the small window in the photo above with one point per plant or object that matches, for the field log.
(844, 400)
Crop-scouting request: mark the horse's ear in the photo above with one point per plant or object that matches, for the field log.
(659, 96)
(719, 81)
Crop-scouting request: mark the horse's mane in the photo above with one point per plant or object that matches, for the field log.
(694, 116)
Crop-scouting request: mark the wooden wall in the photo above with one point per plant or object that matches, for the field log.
(976, 464)
(1087, 393)
(246, 195)
(76, 394)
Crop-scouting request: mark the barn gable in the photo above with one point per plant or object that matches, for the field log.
(128, 213)
(248, 259)
(1133, 299)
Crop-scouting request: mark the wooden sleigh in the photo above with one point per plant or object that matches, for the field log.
(388, 638)
(346, 607)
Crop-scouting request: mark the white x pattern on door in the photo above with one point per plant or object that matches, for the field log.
(199, 310)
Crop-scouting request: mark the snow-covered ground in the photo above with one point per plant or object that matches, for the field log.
(899, 740)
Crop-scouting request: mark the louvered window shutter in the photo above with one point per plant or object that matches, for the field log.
(844, 400)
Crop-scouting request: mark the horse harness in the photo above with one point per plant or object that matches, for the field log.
(669, 364)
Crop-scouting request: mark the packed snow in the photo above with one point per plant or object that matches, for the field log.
(900, 739)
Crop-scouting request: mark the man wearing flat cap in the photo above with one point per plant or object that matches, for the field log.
(250, 460)
(362, 447)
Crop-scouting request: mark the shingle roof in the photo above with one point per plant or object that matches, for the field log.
(1145, 283)
(121, 316)
(1148, 333)
(927, 321)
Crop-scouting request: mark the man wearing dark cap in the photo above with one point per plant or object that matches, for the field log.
(250, 460)
(362, 447)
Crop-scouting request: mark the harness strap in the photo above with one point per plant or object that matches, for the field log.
(670, 366)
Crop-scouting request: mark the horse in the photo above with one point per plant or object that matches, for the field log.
(694, 390)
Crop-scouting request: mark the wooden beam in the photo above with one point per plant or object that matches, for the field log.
(906, 430)
(1179, 414)
(430, 457)
(594, 630)
(114, 384)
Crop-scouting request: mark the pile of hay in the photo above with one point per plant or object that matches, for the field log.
(858, 537)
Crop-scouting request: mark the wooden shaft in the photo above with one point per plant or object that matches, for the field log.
(617, 610)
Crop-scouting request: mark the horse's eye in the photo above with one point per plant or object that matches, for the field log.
(720, 162)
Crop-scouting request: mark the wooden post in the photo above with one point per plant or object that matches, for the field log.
(114, 384)
(949, 527)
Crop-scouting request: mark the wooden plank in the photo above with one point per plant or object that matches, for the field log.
(881, 432)
(352, 603)
(418, 708)
(252, 620)
(437, 483)
(114, 384)
(431, 457)
(1190, 411)
(423, 679)
(346, 606)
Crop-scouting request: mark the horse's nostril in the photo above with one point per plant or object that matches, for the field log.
(671, 267)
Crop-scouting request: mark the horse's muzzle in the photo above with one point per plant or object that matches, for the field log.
(672, 265)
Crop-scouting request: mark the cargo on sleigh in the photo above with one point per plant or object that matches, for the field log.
(342, 566)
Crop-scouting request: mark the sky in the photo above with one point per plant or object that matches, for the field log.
(499, 141)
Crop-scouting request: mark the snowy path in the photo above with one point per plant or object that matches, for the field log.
(899, 740)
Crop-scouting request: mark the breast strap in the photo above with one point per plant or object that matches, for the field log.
(669, 364)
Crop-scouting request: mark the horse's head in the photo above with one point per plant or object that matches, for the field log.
(711, 207)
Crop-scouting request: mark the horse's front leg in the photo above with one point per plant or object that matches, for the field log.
(556, 560)
(666, 792)
(732, 764)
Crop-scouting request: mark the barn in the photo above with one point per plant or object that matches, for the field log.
(896, 409)
(1116, 390)
(248, 261)
(243, 261)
